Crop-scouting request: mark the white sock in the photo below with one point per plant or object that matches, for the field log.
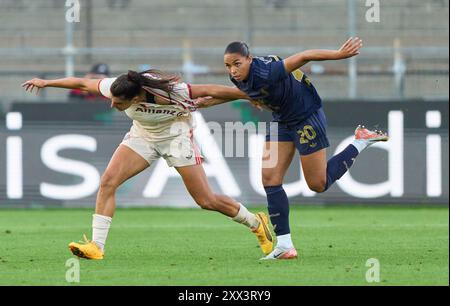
(100, 228)
(360, 144)
(284, 242)
(245, 217)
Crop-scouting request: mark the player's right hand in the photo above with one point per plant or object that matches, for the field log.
(203, 102)
(34, 83)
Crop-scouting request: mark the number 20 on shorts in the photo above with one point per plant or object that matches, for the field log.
(307, 134)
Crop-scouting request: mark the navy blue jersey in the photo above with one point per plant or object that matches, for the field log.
(291, 97)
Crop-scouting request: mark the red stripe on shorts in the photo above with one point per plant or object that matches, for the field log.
(198, 157)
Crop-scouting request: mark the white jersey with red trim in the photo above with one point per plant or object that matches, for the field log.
(152, 120)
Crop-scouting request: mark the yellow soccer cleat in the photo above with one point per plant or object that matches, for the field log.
(87, 249)
(263, 234)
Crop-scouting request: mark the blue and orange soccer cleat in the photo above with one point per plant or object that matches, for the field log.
(361, 133)
(87, 249)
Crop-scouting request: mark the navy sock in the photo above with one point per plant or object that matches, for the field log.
(339, 164)
(278, 206)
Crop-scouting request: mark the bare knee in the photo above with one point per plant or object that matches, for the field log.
(318, 185)
(269, 179)
(108, 183)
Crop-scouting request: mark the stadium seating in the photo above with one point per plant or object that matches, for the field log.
(166, 25)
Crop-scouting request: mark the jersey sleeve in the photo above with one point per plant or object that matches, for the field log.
(271, 72)
(277, 71)
(104, 87)
(183, 90)
(179, 94)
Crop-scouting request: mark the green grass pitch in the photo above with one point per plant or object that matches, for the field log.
(194, 247)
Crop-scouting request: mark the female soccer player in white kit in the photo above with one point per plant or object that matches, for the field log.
(160, 107)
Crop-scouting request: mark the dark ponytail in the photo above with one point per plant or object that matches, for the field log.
(238, 47)
(129, 85)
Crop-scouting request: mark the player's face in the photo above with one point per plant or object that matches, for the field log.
(238, 66)
(120, 104)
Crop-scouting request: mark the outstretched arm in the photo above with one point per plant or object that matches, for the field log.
(205, 102)
(90, 85)
(208, 95)
(218, 92)
(349, 49)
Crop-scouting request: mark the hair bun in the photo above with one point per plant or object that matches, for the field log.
(134, 77)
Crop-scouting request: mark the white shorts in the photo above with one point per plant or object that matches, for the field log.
(179, 151)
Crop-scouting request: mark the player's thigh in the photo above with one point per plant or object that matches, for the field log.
(196, 182)
(277, 157)
(311, 142)
(124, 164)
(314, 167)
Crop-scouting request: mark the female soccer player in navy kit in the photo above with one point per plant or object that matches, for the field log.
(298, 123)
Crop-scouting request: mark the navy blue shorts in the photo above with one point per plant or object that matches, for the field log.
(309, 136)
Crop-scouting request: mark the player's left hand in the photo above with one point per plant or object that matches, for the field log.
(350, 48)
(34, 83)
